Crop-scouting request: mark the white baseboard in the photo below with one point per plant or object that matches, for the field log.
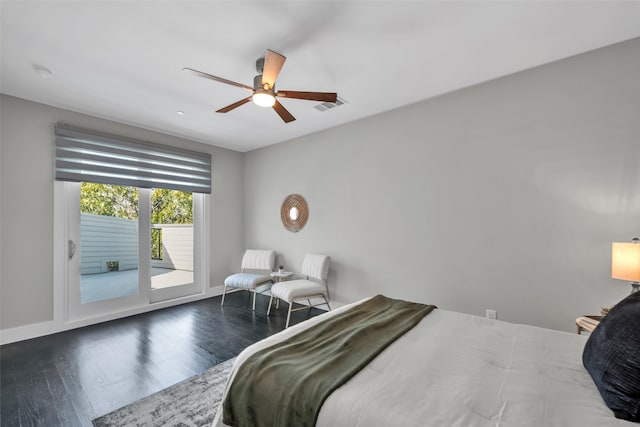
(26, 332)
(35, 330)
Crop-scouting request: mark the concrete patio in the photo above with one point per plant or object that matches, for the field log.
(115, 284)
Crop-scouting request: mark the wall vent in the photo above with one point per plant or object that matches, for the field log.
(329, 105)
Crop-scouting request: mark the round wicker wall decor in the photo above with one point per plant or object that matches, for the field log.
(294, 212)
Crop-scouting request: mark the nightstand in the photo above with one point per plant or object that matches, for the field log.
(587, 323)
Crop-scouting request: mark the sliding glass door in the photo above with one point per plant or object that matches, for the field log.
(109, 242)
(130, 246)
(171, 238)
(176, 230)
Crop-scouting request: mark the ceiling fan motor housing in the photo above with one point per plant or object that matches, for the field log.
(264, 96)
(257, 85)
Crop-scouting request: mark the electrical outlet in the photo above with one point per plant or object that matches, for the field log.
(491, 314)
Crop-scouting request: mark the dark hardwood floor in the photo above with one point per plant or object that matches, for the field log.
(68, 379)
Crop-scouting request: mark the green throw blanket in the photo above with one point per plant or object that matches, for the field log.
(286, 384)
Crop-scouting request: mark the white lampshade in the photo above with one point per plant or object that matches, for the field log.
(625, 261)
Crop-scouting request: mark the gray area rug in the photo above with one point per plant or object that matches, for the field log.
(192, 402)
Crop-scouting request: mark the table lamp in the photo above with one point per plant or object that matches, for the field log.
(625, 262)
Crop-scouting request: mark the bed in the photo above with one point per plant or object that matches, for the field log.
(455, 369)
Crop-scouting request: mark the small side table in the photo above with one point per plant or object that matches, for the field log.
(587, 323)
(280, 276)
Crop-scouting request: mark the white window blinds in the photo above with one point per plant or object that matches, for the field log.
(83, 155)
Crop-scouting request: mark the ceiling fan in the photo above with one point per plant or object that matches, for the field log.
(263, 92)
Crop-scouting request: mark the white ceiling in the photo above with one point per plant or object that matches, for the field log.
(122, 60)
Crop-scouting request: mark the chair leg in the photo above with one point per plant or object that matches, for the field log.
(327, 302)
(224, 291)
(270, 302)
(288, 315)
(254, 300)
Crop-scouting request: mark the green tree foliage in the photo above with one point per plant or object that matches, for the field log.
(171, 207)
(109, 200)
(167, 206)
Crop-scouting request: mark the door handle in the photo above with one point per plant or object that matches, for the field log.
(72, 248)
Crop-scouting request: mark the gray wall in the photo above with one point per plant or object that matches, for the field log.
(26, 202)
(506, 195)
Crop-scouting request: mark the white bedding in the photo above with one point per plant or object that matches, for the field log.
(456, 369)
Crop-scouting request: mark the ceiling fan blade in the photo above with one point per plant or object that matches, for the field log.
(234, 105)
(310, 96)
(217, 79)
(273, 63)
(283, 112)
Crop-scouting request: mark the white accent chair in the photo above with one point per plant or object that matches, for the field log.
(256, 261)
(316, 268)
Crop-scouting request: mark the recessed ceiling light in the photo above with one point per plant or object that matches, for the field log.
(43, 72)
(180, 113)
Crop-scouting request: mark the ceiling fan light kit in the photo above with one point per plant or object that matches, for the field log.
(263, 90)
(262, 95)
(263, 99)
